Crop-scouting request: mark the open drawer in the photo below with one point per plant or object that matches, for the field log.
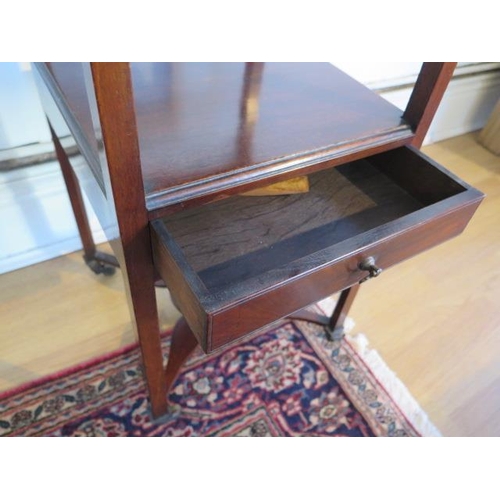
(236, 265)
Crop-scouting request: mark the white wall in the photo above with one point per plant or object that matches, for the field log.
(36, 222)
(380, 73)
(21, 117)
(466, 106)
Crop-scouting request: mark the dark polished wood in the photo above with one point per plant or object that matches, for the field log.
(184, 284)
(182, 346)
(113, 88)
(99, 262)
(113, 181)
(158, 141)
(335, 323)
(431, 84)
(342, 308)
(194, 137)
(75, 198)
(238, 264)
(237, 238)
(95, 115)
(259, 310)
(302, 115)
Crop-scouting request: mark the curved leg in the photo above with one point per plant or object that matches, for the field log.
(335, 324)
(139, 287)
(183, 344)
(98, 262)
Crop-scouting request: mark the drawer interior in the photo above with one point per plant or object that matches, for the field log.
(244, 238)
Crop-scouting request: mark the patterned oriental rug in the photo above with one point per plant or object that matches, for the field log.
(287, 381)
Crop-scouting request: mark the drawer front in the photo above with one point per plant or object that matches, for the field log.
(390, 207)
(256, 312)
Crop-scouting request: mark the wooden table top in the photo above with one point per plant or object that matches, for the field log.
(206, 125)
(209, 129)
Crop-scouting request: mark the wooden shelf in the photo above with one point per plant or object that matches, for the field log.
(207, 129)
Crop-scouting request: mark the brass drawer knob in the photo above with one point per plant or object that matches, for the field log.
(368, 264)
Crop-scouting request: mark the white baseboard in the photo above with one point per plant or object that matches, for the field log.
(36, 220)
(37, 224)
(40, 254)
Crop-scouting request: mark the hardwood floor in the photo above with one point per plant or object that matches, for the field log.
(435, 319)
(58, 313)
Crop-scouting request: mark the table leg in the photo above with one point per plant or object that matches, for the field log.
(334, 324)
(140, 291)
(182, 346)
(99, 262)
(337, 320)
(184, 342)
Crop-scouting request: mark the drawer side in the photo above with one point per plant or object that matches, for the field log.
(184, 289)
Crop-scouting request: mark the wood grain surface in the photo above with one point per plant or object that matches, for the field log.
(290, 139)
(241, 263)
(434, 319)
(208, 130)
(113, 90)
(341, 203)
(192, 128)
